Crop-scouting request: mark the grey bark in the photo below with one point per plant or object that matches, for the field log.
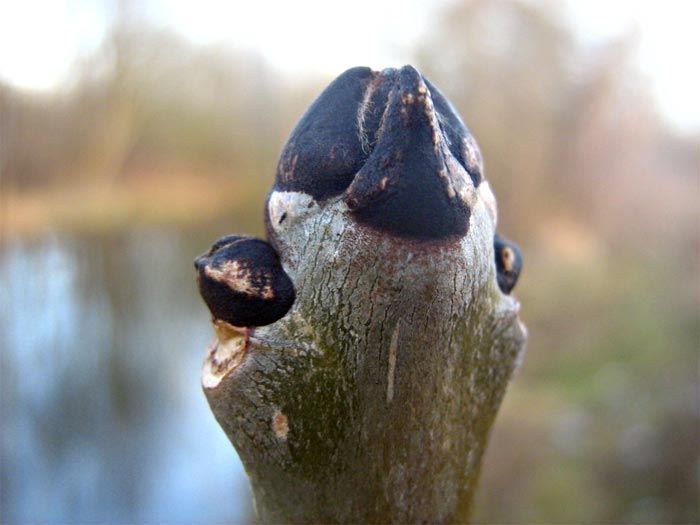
(372, 399)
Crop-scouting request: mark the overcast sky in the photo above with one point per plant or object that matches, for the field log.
(41, 39)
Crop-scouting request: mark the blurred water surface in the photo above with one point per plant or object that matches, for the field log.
(103, 416)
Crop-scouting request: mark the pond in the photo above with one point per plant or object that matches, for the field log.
(103, 417)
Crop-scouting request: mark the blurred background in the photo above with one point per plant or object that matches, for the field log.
(133, 134)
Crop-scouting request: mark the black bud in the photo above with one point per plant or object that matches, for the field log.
(509, 263)
(243, 283)
(397, 148)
